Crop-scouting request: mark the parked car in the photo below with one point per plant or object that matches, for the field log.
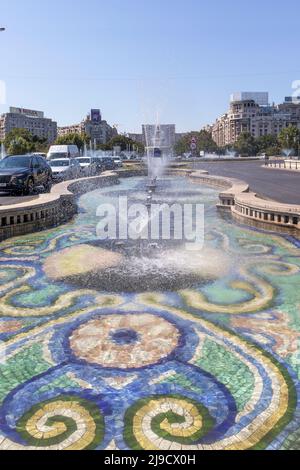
(63, 151)
(65, 168)
(108, 163)
(118, 162)
(23, 174)
(99, 165)
(88, 166)
(40, 154)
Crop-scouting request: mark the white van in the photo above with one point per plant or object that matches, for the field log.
(63, 151)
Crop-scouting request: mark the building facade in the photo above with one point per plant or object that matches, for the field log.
(137, 137)
(31, 120)
(163, 136)
(249, 116)
(260, 97)
(97, 130)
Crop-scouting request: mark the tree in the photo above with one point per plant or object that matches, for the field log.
(246, 144)
(204, 142)
(19, 146)
(289, 137)
(268, 144)
(19, 141)
(73, 139)
(15, 134)
(125, 143)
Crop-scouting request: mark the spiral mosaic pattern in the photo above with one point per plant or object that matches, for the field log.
(66, 423)
(211, 367)
(157, 423)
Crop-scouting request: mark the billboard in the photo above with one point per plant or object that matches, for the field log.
(26, 112)
(96, 115)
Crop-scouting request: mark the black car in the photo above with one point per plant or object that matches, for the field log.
(22, 174)
(108, 163)
(97, 163)
(104, 164)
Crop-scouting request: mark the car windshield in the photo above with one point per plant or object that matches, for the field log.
(57, 163)
(52, 156)
(84, 160)
(16, 162)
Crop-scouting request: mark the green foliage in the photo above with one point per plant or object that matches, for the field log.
(204, 143)
(125, 143)
(269, 145)
(21, 141)
(20, 146)
(72, 139)
(246, 144)
(289, 137)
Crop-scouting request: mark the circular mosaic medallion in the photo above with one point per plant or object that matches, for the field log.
(125, 341)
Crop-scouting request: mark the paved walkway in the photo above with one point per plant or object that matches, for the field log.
(282, 186)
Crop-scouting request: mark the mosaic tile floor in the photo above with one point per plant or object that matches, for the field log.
(214, 365)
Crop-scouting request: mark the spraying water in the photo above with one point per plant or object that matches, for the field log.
(157, 154)
(3, 151)
(85, 150)
(287, 152)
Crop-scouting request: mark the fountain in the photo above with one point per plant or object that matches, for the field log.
(152, 185)
(288, 152)
(85, 150)
(231, 153)
(91, 149)
(3, 151)
(157, 156)
(144, 336)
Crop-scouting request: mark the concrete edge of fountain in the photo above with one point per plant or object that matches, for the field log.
(56, 208)
(247, 206)
(49, 210)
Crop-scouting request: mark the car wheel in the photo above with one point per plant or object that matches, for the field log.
(48, 186)
(29, 187)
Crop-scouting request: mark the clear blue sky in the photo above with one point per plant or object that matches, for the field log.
(135, 58)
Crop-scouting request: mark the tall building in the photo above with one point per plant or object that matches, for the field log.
(164, 135)
(137, 137)
(29, 119)
(97, 130)
(159, 135)
(249, 116)
(260, 97)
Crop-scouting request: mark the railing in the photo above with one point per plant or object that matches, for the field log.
(286, 165)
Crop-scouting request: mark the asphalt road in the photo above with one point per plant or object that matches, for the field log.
(280, 185)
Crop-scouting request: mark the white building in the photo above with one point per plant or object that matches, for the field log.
(258, 120)
(29, 119)
(160, 135)
(260, 97)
